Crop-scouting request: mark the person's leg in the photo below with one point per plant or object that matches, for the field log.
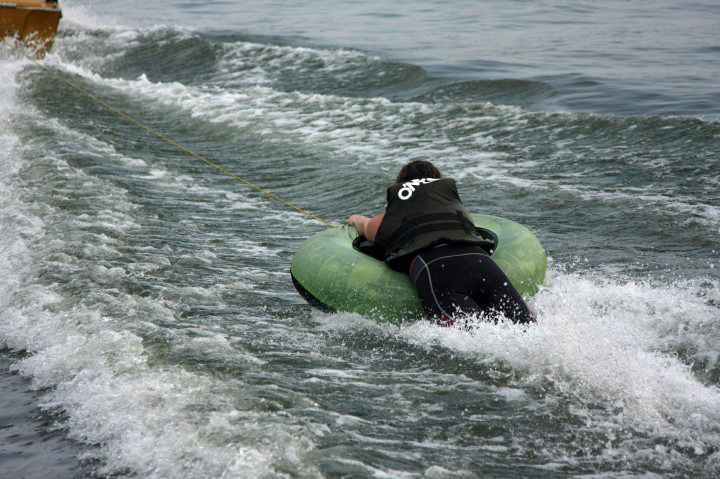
(493, 291)
(453, 281)
(438, 291)
(421, 277)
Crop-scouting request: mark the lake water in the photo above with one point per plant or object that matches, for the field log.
(149, 326)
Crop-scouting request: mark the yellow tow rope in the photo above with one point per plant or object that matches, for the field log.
(179, 146)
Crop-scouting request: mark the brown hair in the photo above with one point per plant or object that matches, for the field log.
(418, 169)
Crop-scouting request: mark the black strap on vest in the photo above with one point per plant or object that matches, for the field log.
(369, 248)
(365, 246)
(490, 237)
(421, 224)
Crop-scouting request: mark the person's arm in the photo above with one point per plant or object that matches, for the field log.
(367, 227)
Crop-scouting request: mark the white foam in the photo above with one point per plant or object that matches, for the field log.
(364, 129)
(247, 63)
(609, 346)
(90, 350)
(144, 417)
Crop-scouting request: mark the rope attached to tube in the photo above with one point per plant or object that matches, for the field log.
(181, 147)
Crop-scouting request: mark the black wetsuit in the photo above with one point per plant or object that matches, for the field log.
(454, 281)
(427, 232)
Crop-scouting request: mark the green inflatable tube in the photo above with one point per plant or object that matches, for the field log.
(331, 275)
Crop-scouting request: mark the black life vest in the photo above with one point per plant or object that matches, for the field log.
(421, 214)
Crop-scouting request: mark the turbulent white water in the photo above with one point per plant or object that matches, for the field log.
(148, 296)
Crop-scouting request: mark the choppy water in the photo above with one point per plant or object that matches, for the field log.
(147, 299)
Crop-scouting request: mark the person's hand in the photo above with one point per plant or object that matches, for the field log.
(365, 226)
(356, 220)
